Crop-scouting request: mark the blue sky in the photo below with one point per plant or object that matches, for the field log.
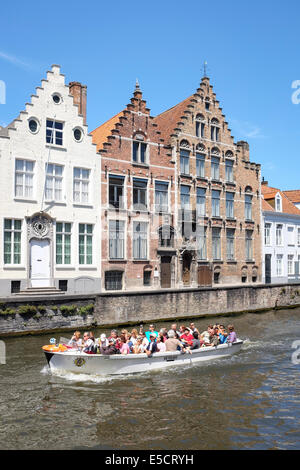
(252, 50)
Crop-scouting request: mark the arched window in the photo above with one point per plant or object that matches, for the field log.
(184, 157)
(139, 149)
(215, 130)
(200, 125)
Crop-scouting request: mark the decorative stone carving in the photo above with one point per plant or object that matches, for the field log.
(39, 226)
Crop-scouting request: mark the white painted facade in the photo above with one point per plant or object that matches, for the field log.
(281, 246)
(50, 196)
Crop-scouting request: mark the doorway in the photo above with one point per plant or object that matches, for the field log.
(186, 269)
(268, 269)
(165, 272)
(40, 263)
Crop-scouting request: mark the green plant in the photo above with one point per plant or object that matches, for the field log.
(86, 310)
(41, 308)
(8, 311)
(27, 310)
(68, 309)
(283, 291)
(54, 308)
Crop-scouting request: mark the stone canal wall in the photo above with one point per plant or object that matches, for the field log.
(31, 316)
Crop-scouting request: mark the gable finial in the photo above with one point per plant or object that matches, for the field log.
(205, 69)
(137, 85)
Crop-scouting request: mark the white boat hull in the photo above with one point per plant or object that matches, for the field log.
(97, 364)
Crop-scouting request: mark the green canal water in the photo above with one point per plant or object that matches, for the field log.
(248, 401)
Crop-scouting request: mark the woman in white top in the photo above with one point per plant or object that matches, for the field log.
(75, 341)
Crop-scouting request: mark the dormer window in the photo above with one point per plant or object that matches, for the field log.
(278, 203)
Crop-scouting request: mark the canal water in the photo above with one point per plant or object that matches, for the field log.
(248, 401)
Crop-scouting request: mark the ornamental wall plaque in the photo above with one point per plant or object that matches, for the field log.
(39, 226)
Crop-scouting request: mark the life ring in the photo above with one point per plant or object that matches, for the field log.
(52, 348)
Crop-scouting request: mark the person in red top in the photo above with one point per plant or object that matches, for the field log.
(114, 335)
(187, 337)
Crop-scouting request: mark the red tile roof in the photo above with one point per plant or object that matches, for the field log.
(293, 195)
(101, 133)
(269, 194)
(167, 121)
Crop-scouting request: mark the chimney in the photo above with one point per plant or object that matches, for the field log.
(243, 147)
(265, 183)
(79, 94)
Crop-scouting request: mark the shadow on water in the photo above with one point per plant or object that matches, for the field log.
(248, 401)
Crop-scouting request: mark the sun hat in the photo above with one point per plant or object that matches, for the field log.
(103, 337)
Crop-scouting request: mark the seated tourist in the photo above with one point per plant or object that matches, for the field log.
(114, 335)
(138, 348)
(152, 346)
(75, 341)
(124, 349)
(174, 328)
(231, 338)
(222, 334)
(205, 336)
(88, 343)
(151, 331)
(196, 341)
(145, 341)
(172, 343)
(133, 337)
(214, 337)
(161, 347)
(193, 328)
(187, 338)
(110, 348)
(103, 341)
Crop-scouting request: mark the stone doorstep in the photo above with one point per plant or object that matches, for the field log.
(40, 291)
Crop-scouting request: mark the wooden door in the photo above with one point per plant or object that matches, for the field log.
(186, 269)
(204, 276)
(165, 271)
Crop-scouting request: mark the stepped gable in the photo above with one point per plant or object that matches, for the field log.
(269, 195)
(172, 121)
(103, 134)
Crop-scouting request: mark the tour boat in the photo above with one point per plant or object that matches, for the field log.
(71, 360)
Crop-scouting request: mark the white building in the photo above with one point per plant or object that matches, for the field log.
(281, 238)
(50, 194)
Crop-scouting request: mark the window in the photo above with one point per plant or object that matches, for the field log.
(24, 178)
(267, 234)
(279, 235)
(279, 267)
(201, 243)
(230, 205)
(33, 125)
(229, 171)
(63, 285)
(54, 132)
(200, 165)
(54, 178)
(216, 243)
(78, 134)
(113, 280)
(12, 241)
(291, 264)
(140, 237)
(201, 209)
(215, 168)
(298, 236)
(161, 196)
(15, 287)
(116, 191)
(139, 192)
(215, 203)
(230, 244)
(249, 247)
(248, 207)
(63, 243)
(291, 236)
(207, 104)
(139, 152)
(116, 239)
(85, 244)
(214, 131)
(278, 204)
(81, 185)
(200, 126)
(56, 98)
(185, 162)
(185, 197)
(166, 236)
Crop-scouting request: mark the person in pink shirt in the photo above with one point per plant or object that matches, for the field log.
(231, 338)
(124, 349)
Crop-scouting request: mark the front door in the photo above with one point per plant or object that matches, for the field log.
(165, 271)
(268, 269)
(186, 269)
(40, 263)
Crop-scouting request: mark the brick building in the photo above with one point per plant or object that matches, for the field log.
(138, 196)
(181, 201)
(218, 194)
